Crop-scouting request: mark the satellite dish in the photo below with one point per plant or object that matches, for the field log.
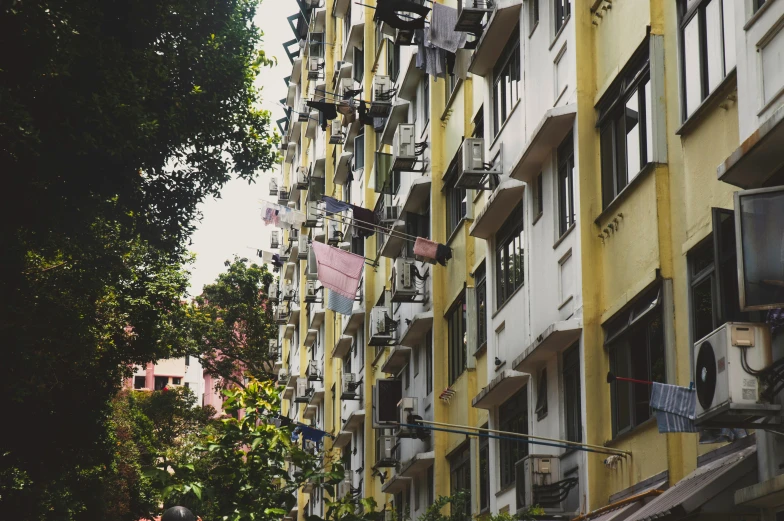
(178, 514)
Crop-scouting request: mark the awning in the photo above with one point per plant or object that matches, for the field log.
(767, 494)
(758, 162)
(318, 394)
(317, 317)
(500, 389)
(342, 346)
(354, 420)
(288, 333)
(397, 360)
(342, 439)
(312, 125)
(310, 337)
(417, 465)
(497, 32)
(355, 39)
(551, 131)
(340, 7)
(418, 198)
(291, 95)
(291, 151)
(294, 315)
(395, 241)
(342, 168)
(499, 206)
(309, 412)
(354, 320)
(288, 391)
(695, 490)
(555, 339)
(419, 327)
(411, 78)
(398, 115)
(351, 133)
(296, 72)
(344, 72)
(395, 484)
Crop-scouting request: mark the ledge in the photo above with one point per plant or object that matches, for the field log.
(397, 360)
(310, 337)
(354, 320)
(354, 420)
(420, 325)
(289, 270)
(500, 389)
(318, 318)
(342, 168)
(418, 464)
(291, 94)
(410, 79)
(294, 315)
(498, 207)
(556, 338)
(395, 241)
(397, 115)
(396, 484)
(296, 71)
(549, 133)
(342, 439)
(291, 150)
(318, 394)
(309, 412)
(418, 195)
(494, 37)
(342, 346)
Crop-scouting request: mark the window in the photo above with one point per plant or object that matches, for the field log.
(509, 257)
(481, 306)
(479, 124)
(450, 84)
(533, 16)
(572, 397)
(176, 381)
(393, 60)
(484, 473)
(506, 81)
(513, 417)
(347, 23)
(358, 66)
(187, 360)
(457, 346)
(416, 226)
(625, 126)
(566, 185)
(161, 382)
(460, 474)
(455, 201)
(359, 149)
(707, 48)
(139, 382)
(429, 361)
(562, 10)
(541, 396)
(539, 196)
(713, 278)
(635, 339)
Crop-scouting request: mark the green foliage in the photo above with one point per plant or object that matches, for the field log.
(230, 324)
(457, 507)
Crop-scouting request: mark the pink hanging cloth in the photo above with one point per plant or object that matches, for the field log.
(338, 270)
(426, 248)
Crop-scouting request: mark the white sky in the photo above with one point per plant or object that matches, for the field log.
(232, 224)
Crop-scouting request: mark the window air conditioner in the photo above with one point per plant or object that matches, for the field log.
(275, 240)
(335, 234)
(283, 377)
(406, 409)
(283, 196)
(382, 327)
(282, 315)
(350, 388)
(273, 187)
(338, 66)
(724, 387)
(403, 281)
(381, 98)
(336, 135)
(471, 172)
(470, 14)
(273, 294)
(303, 114)
(302, 391)
(302, 178)
(404, 147)
(311, 214)
(533, 477)
(386, 451)
(313, 371)
(310, 291)
(390, 215)
(314, 68)
(303, 246)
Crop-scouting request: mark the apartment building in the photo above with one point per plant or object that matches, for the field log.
(582, 164)
(185, 371)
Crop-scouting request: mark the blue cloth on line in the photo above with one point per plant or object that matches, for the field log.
(674, 407)
(334, 206)
(340, 303)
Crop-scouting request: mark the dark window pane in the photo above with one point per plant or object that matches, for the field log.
(702, 305)
(608, 164)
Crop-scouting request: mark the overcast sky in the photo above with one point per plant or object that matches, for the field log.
(232, 224)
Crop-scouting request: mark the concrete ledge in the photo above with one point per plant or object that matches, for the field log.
(500, 389)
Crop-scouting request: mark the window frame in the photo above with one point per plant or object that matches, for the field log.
(539, 197)
(508, 66)
(511, 233)
(512, 417)
(460, 471)
(456, 319)
(393, 60)
(358, 65)
(480, 285)
(565, 172)
(562, 12)
(533, 16)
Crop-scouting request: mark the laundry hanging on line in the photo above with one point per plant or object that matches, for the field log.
(432, 250)
(442, 29)
(338, 270)
(340, 303)
(281, 216)
(329, 110)
(334, 206)
(366, 218)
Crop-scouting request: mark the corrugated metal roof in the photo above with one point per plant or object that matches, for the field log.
(697, 488)
(619, 513)
(625, 510)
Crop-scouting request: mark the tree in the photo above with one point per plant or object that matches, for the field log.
(231, 324)
(119, 117)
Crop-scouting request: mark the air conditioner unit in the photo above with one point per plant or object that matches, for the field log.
(381, 97)
(386, 451)
(471, 171)
(289, 291)
(345, 246)
(382, 327)
(350, 388)
(404, 147)
(310, 291)
(303, 247)
(534, 476)
(314, 68)
(302, 391)
(283, 196)
(272, 296)
(303, 114)
(336, 135)
(404, 281)
(338, 66)
(275, 240)
(283, 377)
(346, 84)
(312, 214)
(390, 215)
(724, 387)
(335, 234)
(273, 187)
(273, 348)
(282, 315)
(313, 371)
(345, 486)
(302, 178)
(406, 409)
(470, 14)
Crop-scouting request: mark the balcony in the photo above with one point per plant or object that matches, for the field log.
(500, 389)
(757, 162)
(417, 329)
(397, 360)
(496, 33)
(342, 346)
(551, 131)
(500, 204)
(418, 198)
(553, 340)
